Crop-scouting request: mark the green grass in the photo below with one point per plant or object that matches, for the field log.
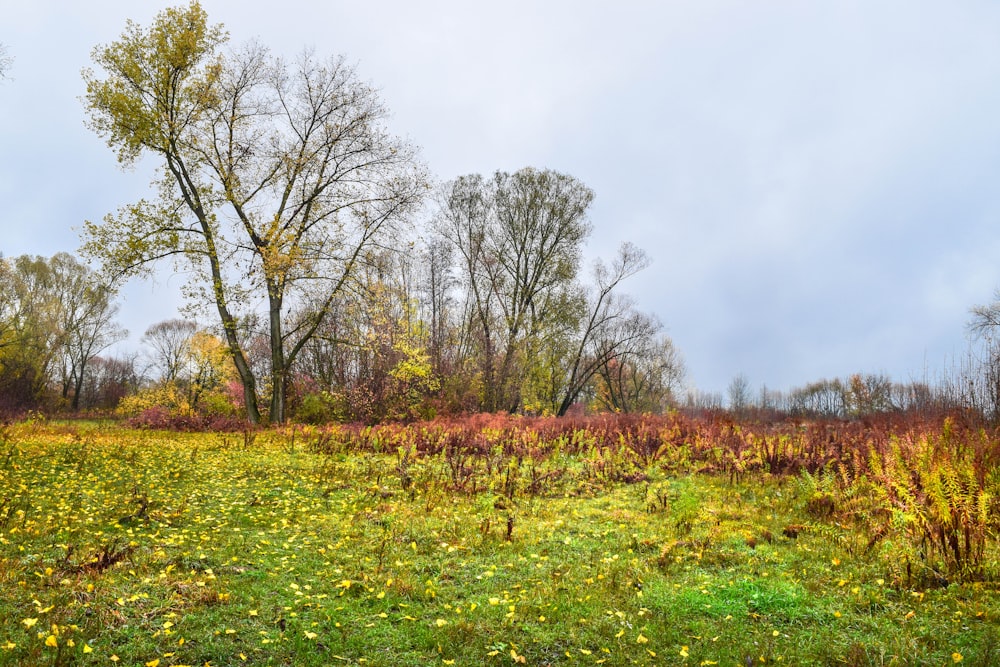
(186, 549)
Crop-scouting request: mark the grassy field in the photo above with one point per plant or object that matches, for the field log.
(285, 548)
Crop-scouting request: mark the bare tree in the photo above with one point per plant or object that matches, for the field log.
(86, 313)
(611, 326)
(169, 342)
(738, 392)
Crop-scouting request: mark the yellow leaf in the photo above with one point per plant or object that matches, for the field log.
(311, 635)
(956, 657)
(641, 639)
(29, 622)
(153, 663)
(87, 649)
(51, 641)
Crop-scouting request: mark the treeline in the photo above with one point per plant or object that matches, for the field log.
(485, 308)
(444, 325)
(971, 386)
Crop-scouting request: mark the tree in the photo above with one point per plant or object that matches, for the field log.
(739, 393)
(55, 316)
(611, 325)
(436, 285)
(169, 342)
(644, 374)
(86, 320)
(275, 179)
(518, 239)
(28, 331)
(982, 388)
(110, 380)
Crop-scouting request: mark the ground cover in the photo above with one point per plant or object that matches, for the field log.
(371, 547)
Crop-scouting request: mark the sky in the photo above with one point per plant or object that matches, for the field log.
(815, 182)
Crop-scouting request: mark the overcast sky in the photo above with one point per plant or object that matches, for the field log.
(816, 182)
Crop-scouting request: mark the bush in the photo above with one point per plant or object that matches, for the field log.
(319, 408)
(169, 407)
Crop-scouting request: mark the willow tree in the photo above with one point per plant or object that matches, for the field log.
(275, 179)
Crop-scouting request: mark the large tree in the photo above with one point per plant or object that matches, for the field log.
(518, 239)
(276, 179)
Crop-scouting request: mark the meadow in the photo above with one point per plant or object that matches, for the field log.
(501, 541)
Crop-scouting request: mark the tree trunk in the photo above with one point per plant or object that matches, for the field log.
(77, 388)
(279, 374)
